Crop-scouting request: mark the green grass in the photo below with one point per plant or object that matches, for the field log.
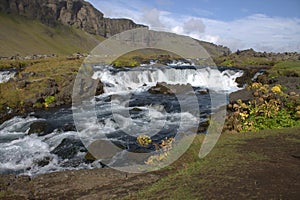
(193, 178)
(59, 69)
(135, 58)
(234, 60)
(27, 37)
(286, 68)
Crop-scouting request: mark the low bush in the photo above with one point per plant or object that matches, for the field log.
(271, 108)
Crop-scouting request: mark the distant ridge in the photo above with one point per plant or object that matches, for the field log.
(61, 27)
(76, 13)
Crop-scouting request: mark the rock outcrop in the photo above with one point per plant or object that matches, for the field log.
(76, 13)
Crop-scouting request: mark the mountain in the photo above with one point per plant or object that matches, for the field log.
(61, 27)
(75, 13)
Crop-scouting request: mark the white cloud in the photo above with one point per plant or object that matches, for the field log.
(194, 26)
(152, 18)
(258, 31)
(261, 32)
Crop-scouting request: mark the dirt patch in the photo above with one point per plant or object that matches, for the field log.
(274, 170)
(83, 184)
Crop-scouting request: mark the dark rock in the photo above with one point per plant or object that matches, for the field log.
(30, 102)
(244, 95)
(43, 162)
(262, 79)
(69, 127)
(68, 148)
(51, 105)
(272, 81)
(203, 126)
(203, 92)
(22, 84)
(52, 88)
(99, 89)
(39, 127)
(246, 78)
(164, 88)
(160, 88)
(135, 109)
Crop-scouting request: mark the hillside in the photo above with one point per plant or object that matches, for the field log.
(23, 36)
(61, 27)
(76, 13)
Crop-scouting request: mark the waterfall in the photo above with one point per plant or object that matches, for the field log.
(133, 79)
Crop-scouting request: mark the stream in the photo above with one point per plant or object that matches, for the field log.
(126, 106)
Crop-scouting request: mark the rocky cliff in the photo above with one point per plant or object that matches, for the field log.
(76, 13)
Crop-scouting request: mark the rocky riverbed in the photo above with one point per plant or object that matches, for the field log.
(90, 184)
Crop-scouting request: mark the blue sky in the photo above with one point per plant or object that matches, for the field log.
(265, 25)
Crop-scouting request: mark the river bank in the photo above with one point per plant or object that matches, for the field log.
(260, 165)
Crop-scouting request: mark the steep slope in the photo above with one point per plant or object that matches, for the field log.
(61, 27)
(76, 13)
(23, 36)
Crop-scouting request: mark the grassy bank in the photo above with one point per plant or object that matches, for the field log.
(286, 68)
(261, 165)
(38, 79)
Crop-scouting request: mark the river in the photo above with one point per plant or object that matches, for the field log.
(126, 106)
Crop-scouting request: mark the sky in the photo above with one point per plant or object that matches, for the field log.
(264, 25)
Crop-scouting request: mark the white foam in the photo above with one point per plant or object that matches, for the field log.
(6, 75)
(22, 153)
(16, 125)
(212, 78)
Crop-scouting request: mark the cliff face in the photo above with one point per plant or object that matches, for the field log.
(77, 13)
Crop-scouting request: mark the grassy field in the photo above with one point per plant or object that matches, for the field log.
(22, 36)
(261, 165)
(286, 68)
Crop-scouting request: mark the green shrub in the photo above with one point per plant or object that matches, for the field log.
(49, 100)
(270, 109)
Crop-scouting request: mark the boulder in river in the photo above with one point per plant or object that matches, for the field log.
(164, 88)
(40, 127)
(68, 148)
(69, 127)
